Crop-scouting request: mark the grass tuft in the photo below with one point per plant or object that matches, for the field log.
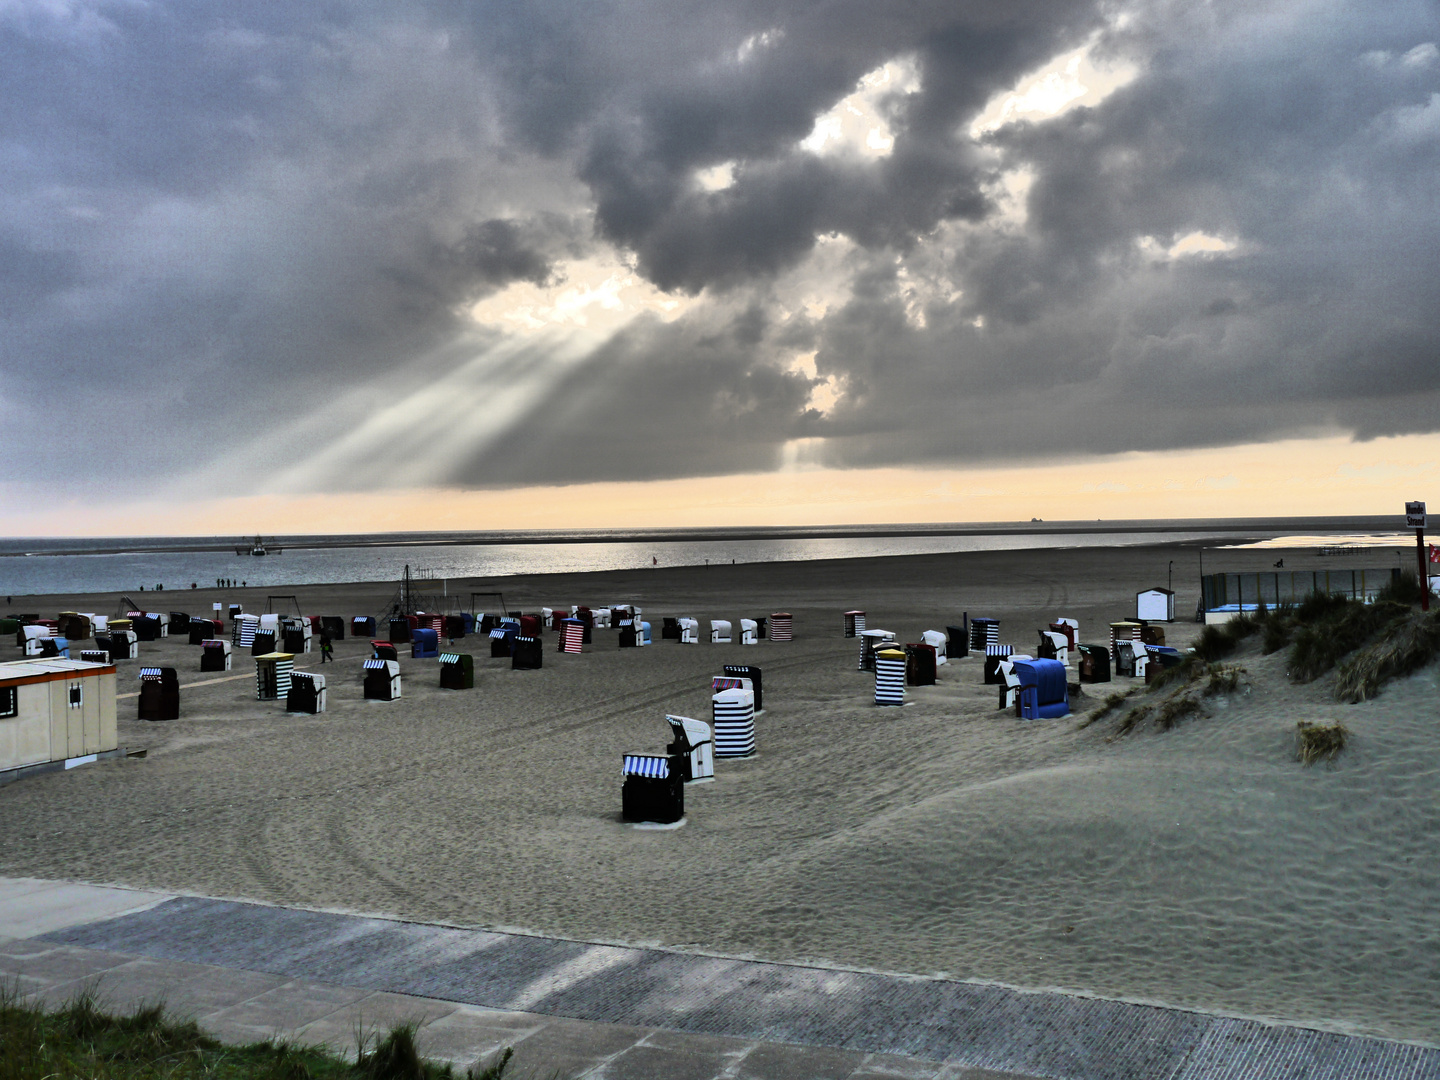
(1404, 646)
(1319, 742)
(82, 1041)
(1108, 706)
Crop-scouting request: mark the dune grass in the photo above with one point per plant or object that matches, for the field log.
(81, 1041)
(1405, 645)
(1319, 742)
(1182, 694)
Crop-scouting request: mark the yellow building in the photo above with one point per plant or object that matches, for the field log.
(55, 712)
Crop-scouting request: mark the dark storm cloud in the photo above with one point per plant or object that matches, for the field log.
(241, 212)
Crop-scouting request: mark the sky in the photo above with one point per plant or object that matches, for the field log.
(447, 265)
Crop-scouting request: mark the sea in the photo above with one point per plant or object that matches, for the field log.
(41, 566)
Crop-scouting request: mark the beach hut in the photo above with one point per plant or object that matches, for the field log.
(1044, 691)
(1094, 663)
(871, 641)
(694, 746)
(215, 655)
(572, 635)
(993, 655)
(733, 712)
(457, 671)
(854, 622)
(1053, 645)
(296, 635)
(748, 634)
(719, 632)
(382, 680)
(159, 694)
(272, 676)
(1122, 631)
(689, 631)
(54, 711)
(937, 641)
(890, 677)
(383, 650)
(751, 672)
(1156, 605)
(920, 664)
(984, 632)
(781, 626)
(123, 645)
(528, 654)
(362, 626)
(307, 693)
(333, 627)
(400, 630)
(652, 790)
(266, 641)
(424, 644)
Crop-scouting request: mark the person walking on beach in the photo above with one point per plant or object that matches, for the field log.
(327, 650)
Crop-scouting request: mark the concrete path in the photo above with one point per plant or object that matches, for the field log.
(249, 971)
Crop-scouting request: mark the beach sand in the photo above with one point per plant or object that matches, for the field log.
(1200, 867)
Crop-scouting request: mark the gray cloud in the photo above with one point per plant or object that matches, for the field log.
(222, 218)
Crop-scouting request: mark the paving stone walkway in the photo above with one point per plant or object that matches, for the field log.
(249, 971)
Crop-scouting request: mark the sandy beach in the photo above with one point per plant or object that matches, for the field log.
(1201, 867)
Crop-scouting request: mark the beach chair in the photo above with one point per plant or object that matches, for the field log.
(382, 680)
(95, 656)
(383, 650)
(689, 631)
(159, 694)
(362, 626)
(307, 693)
(123, 645)
(937, 641)
(695, 747)
(572, 635)
(424, 644)
(644, 638)
(297, 635)
(993, 655)
(782, 626)
(733, 713)
(1157, 659)
(201, 631)
(1150, 634)
(1130, 659)
(272, 676)
(719, 632)
(890, 677)
(1122, 631)
(920, 664)
(871, 641)
(748, 635)
(1009, 684)
(400, 631)
(984, 632)
(669, 629)
(751, 672)
(1054, 646)
(457, 671)
(1070, 628)
(854, 622)
(1094, 663)
(652, 790)
(215, 655)
(264, 643)
(1044, 691)
(629, 636)
(333, 626)
(528, 654)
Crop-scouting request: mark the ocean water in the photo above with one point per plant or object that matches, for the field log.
(46, 566)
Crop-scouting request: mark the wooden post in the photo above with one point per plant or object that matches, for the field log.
(1422, 570)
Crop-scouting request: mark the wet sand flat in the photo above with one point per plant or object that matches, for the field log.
(1201, 867)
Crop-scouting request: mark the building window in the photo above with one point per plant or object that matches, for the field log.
(77, 695)
(9, 701)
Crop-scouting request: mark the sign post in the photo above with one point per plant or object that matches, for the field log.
(1415, 519)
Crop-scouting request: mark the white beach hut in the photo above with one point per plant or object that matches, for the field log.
(1155, 605)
